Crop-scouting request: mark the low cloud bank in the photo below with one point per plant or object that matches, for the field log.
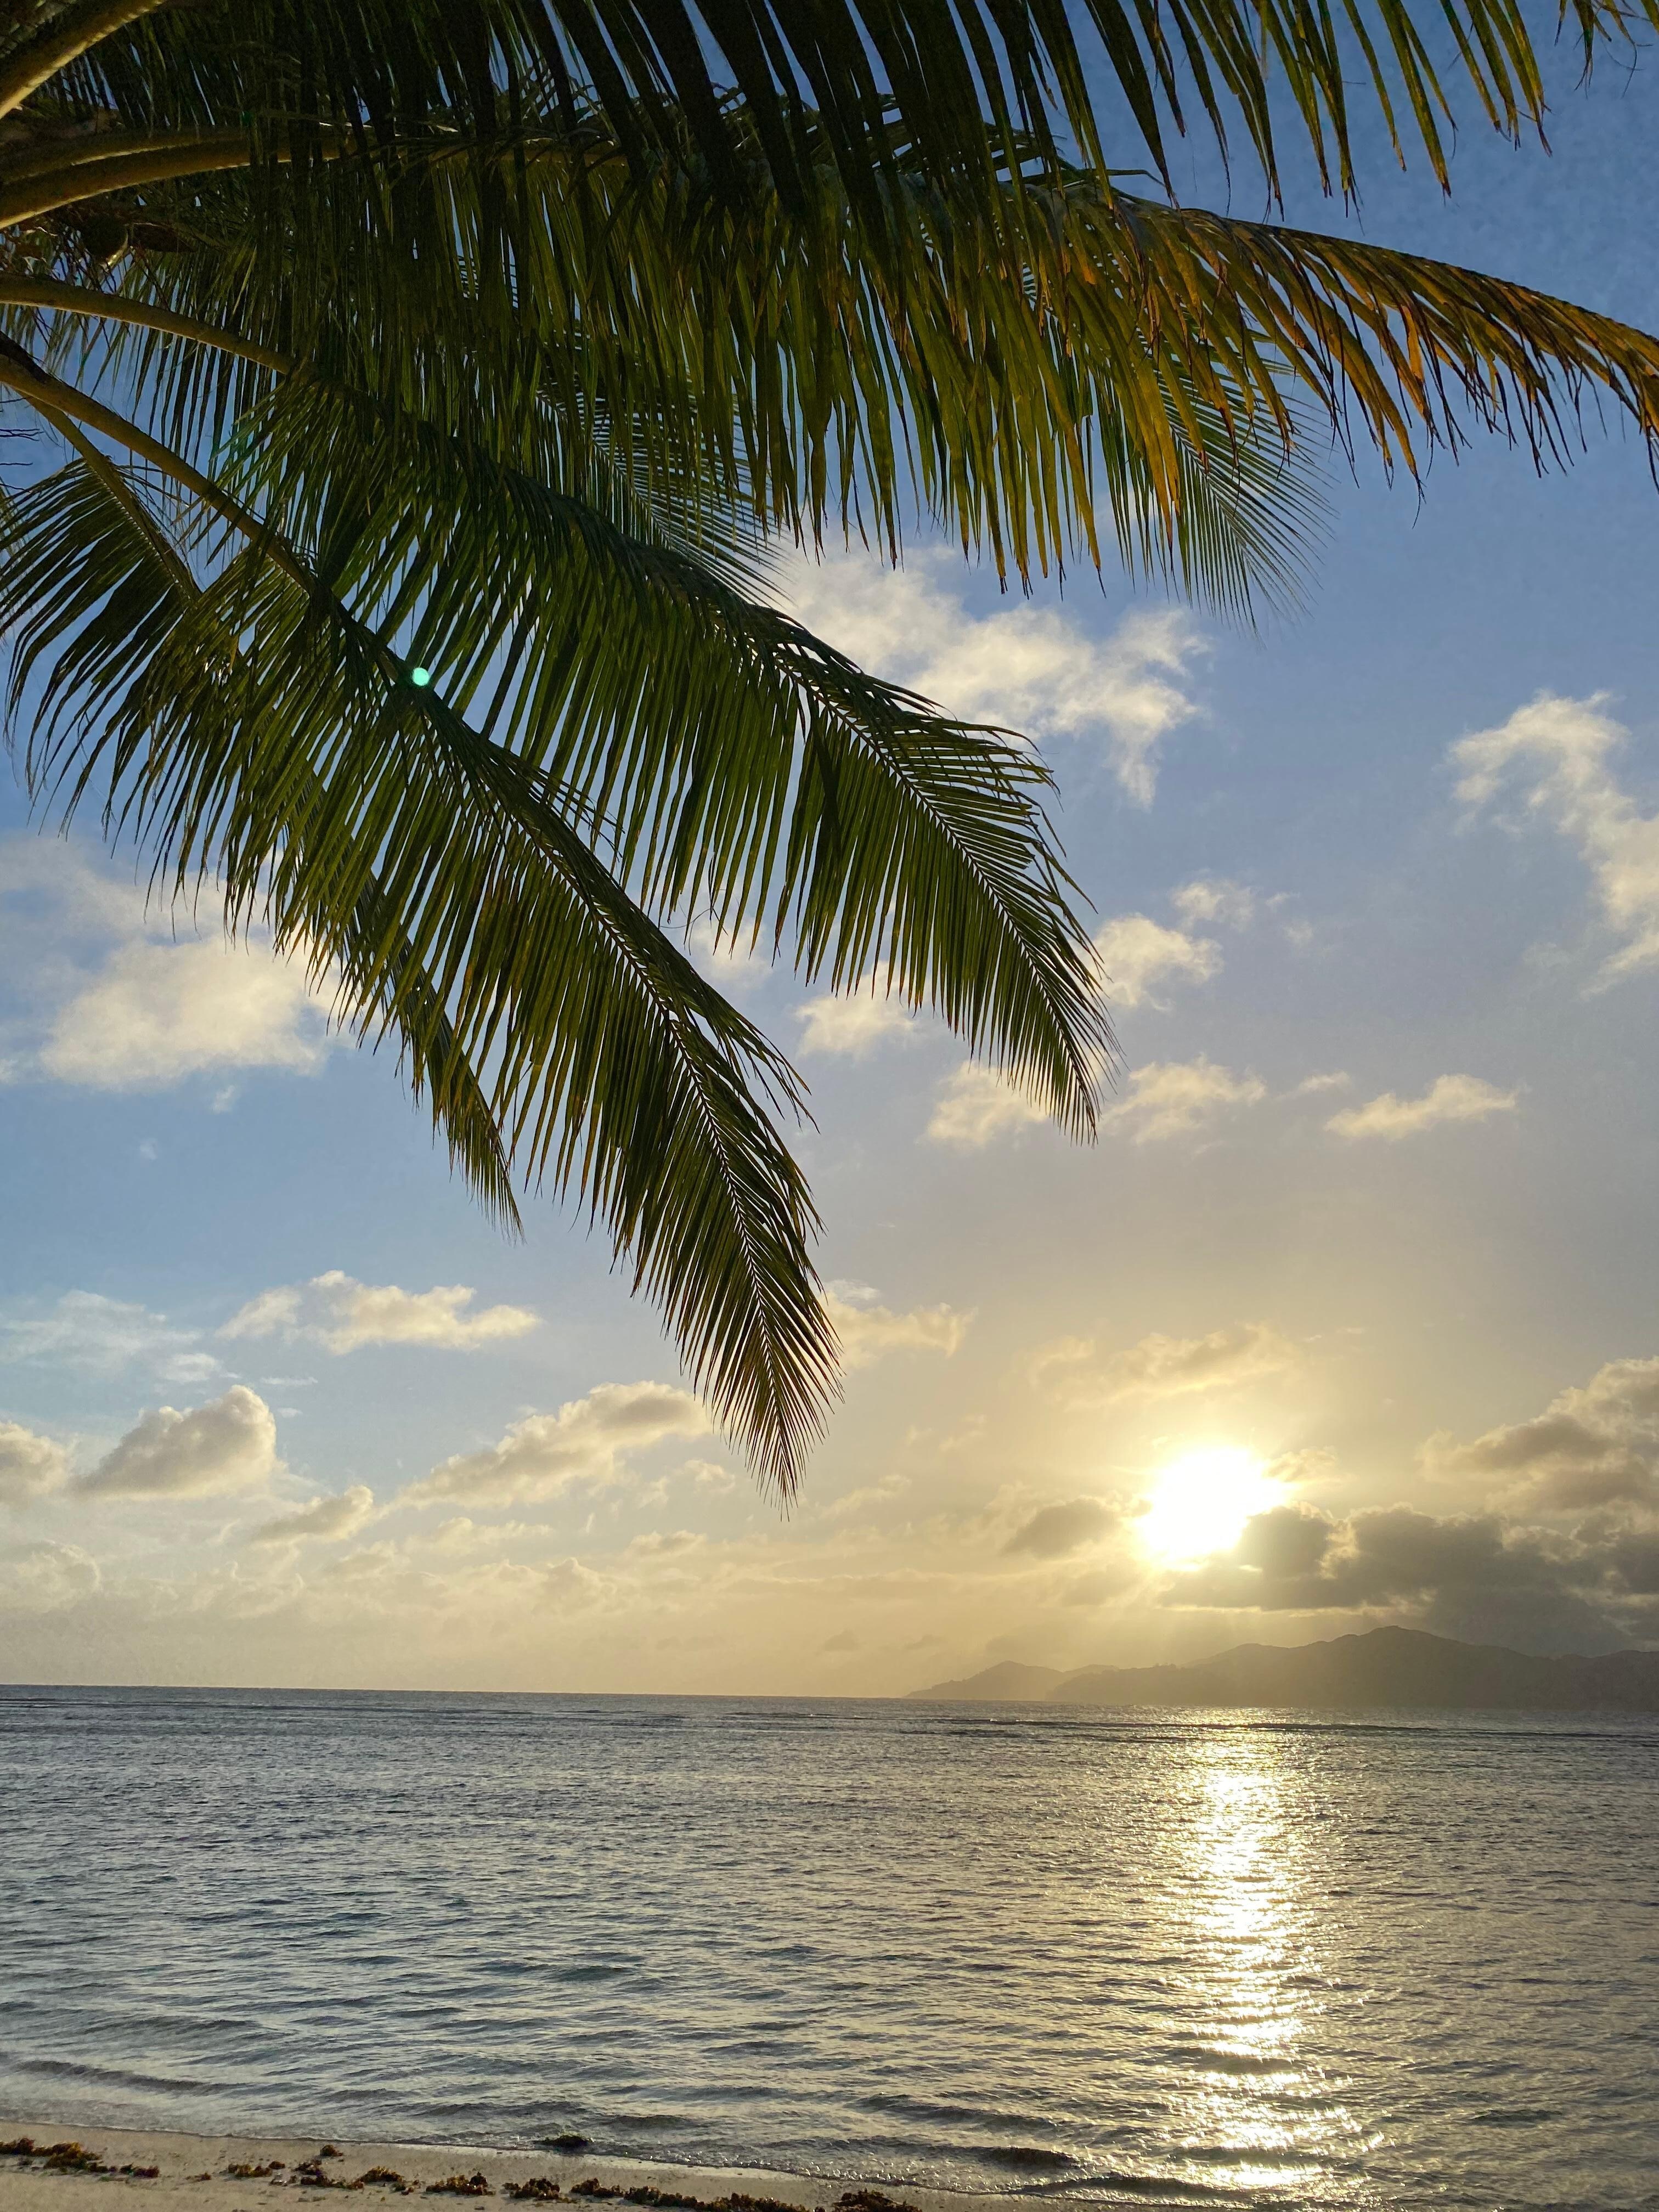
(1475, 1575)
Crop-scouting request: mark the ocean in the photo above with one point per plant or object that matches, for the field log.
(1193, 1959)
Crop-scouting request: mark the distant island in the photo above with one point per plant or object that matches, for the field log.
(1398, 1667)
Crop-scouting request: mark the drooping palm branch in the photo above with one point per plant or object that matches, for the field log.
(500, 341)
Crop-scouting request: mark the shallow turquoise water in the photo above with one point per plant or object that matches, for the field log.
(1152, 1958)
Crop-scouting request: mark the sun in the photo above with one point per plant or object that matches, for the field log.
(1200, 1503)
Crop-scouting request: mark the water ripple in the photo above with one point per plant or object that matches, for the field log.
(1109, 1959)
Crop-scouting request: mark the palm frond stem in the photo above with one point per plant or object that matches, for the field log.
(140, 315)
(194, 154)
(63, 40)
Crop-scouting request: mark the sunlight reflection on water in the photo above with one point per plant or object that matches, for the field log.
(1256, 1971)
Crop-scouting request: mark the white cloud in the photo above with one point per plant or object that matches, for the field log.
(733, 960)
(587, 1442)
(1136, 952)
(342, 1316)
(1172, 1098)
(157, 1006)
(854, 1024)
(86, 1329)
(1163, 1366)
(1032, 669)
(158, 1012)
(322, 1520)
(30, 1466)
(1448, 1098)
(228, 1445)
(1215, 898)
(976, 1105)
(869, 1332)
(1556, 755)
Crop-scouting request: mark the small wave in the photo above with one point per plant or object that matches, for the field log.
(113, 2077)
(1024, 2155)
(1166, 2189)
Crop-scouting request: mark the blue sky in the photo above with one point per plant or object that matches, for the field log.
(1420, 1348)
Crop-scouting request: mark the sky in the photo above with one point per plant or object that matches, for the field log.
(1348, 1317)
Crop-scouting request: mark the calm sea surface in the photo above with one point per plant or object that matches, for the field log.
(1139, 1958)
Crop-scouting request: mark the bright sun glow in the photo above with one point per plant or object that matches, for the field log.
(1199, 1504)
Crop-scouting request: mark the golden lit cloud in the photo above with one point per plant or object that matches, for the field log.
(1176, 1098)
(1160, 1366)
(1448, 1098)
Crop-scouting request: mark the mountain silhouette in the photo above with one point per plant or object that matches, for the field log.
(1399, 1667)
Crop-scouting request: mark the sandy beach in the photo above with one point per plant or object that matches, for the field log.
(76, 2169)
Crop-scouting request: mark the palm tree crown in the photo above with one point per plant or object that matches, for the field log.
(499, 340)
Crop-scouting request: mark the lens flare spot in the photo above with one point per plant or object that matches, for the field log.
(1200, 1503)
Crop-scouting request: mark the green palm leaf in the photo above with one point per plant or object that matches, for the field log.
(516, 335)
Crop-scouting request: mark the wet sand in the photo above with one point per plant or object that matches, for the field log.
(87, 2169)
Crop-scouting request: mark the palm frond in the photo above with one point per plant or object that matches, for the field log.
(555, 1029)
(885, 88)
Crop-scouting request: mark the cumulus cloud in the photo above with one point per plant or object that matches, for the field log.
(976, 1106)
(588, 1442)
(1032, 669)
(1593, 1445)
(323, 1519)
(158, 1012)
(1137, 953)
(1448, 1098)
(854, 1025)
(343, 1316)
(1055, 1532)
(230, 1444)
(1164, 1366)
(869, 1331)
(30, 1466)
(46, 1577)
(1174, 1098)
(1556, 757)
(144, 1005)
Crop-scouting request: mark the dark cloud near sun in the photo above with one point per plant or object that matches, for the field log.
(1474, 1575)
(1056, 1531)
